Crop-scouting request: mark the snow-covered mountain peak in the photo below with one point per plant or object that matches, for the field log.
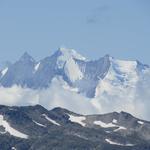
(124, 65)
(122, 75)
(142, 66)
(128, 67)
(107, 81)
(64, 55)
(26, 57)
(66, 52)
(108, 56)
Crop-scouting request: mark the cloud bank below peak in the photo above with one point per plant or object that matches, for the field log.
(66, 79)
(57, 96)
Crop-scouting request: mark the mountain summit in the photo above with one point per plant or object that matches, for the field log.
(104, 82)
(78, 72)
(26, 57)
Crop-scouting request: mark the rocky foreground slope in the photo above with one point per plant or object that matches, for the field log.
(36, 128)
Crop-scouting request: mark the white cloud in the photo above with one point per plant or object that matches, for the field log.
(54, 96)
(135, 101)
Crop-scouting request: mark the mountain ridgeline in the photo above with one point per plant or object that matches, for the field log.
(77, 71)
(36, 128)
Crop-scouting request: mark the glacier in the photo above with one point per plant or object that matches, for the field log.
(69, 80)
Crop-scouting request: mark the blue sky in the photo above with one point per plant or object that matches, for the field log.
(94, 28)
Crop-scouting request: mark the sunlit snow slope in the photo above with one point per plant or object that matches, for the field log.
(69, 80)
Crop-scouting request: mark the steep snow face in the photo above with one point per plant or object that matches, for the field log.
(66, 54)
(11, 130)
(121, 74)
(72, 70)
(92, 72)
(119, 85)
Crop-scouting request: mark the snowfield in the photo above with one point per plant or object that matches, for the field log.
(11, 130)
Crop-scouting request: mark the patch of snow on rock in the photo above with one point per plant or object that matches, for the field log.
(120, 128)
(115, 143)
(110, 125)
(115, 121)
(39, 124)
(11, 130)
(104, 125)
(77, 119)
(4, 71)
(51, 120)
(140, 122)
(37, 66)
